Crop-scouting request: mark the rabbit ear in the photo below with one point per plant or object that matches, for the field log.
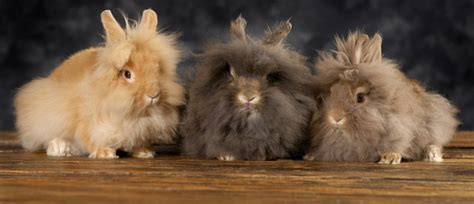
(358, 48)
(233, 73)
(359, 51)
(278, 33)
(149, 20)
(113, 31)
(373, 52)
(237, 29)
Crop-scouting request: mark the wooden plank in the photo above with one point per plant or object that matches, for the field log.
(464, 139)
(26, 176)
(9, 138)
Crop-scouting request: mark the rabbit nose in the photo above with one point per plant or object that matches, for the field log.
(153, 98)
(252, 98)
(248, 100)
(336, 117)
(337, 120)
(154, 95)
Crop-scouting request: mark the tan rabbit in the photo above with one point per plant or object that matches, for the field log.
(123, 95)
(370, 111)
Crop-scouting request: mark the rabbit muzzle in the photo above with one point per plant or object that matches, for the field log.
(337, 118)
(248, 101)
(153, 98)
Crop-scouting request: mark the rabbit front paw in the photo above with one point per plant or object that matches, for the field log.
(103, 153)
(61, 148)
(309, 157)
(143, 153)
(434, 154)
(226, 157)
(391, 158)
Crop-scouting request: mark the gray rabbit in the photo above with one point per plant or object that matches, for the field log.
(251, 99)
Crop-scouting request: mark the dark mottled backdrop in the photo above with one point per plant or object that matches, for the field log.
(433, 40)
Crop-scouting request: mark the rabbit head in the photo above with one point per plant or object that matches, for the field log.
(250, 88)
(136, 68)
(357, 84)
(250, 70)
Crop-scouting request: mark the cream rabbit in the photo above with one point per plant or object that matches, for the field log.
(123, 95)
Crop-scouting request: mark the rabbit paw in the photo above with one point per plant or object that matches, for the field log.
(226, 157)
(60, 148)
(434, 154)
(143, 153)
(103, 153)
(391, 158)
(309, 157)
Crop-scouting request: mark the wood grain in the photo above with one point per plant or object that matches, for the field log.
(26, 176)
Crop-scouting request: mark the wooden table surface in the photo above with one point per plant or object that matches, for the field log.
(170, 178)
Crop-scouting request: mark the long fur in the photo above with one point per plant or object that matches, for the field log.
(88, 103)
(398, 115)
(217, 125)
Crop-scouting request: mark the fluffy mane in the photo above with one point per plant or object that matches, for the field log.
(269, 51)
(358, 57)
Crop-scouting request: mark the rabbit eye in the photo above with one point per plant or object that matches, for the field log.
(360, 98)
(273, 78)
(127, 75)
